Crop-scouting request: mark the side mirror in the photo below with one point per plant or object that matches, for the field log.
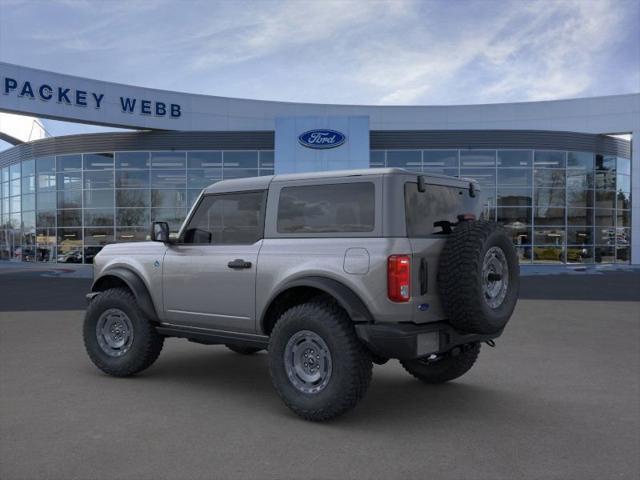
(160, 232)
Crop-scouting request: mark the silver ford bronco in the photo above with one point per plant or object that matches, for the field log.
(329, 272)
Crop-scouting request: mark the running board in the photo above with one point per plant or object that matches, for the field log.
(213, 337)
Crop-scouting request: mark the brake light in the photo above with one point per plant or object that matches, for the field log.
(399, 278)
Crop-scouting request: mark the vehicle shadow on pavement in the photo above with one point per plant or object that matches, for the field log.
(394, 397)
(395, 400)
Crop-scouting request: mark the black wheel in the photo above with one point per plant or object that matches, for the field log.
(478, 277)
(118, 337)
(440, 369)
(242, 349)
(318, 366)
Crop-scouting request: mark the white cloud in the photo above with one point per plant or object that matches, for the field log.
(260, 32)
(553, 55)
(386, 52)
(532, 51)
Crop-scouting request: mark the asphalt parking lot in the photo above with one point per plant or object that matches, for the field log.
(558, 398)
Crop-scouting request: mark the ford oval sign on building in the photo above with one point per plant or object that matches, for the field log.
(322, 138)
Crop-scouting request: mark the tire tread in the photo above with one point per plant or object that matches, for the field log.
(458, 270)
(152, 340)
(344, 334)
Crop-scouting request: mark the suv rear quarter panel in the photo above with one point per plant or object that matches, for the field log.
(285, 260)
(289, 257)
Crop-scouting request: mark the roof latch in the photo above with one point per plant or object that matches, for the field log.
(422, 186)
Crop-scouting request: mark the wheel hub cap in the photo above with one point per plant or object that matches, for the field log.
(307, 361)
(495, 277)
(114, 332)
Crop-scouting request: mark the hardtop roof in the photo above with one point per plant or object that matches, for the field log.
(263, 182)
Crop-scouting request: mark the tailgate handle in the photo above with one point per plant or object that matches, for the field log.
(424, 276)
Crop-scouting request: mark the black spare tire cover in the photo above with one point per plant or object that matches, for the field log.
(478, 277)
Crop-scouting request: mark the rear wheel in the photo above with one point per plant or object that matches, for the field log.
(440, 369)
(242, 349)
(119, 339)
(318, 366)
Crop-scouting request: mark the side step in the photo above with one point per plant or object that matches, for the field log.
(212, 337)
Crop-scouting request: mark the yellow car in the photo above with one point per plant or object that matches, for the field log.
(577, 254)
(549, 253)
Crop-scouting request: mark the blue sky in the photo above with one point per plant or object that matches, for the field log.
(362, 52)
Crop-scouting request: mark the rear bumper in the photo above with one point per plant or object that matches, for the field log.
(407, 340)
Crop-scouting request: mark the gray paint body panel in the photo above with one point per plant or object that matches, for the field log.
(192, 285)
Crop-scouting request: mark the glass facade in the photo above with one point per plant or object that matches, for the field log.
(558, 206)
(66, 208)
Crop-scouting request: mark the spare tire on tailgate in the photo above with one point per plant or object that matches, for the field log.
(478, 277)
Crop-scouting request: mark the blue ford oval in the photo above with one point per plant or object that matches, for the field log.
(322, 138)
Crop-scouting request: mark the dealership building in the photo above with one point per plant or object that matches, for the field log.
(561, 176)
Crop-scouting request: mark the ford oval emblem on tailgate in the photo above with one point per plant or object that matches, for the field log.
(322, 138)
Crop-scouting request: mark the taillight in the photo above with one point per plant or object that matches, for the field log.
(466, 217)
(398, 278)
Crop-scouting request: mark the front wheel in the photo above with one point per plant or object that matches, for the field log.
(119, 339)
(443, 368)
(318, 366)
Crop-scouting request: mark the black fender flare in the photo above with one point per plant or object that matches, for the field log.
(135, 284)
(345, 296)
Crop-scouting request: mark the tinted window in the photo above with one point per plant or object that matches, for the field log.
(440, 161)
(241, 159)
(43, 165)
(266, 159)
(424, 209)
(514, 158)
(168, 160)
(227, 219)
(201, 178)
(132, 179)
(98, 179)
(411, 159)
(477, 158)
(580, 160)
(204, 159)
(132, 160)
(98, 161)
(550, 159)
(376, 158)
(346, 207)
(69, 162)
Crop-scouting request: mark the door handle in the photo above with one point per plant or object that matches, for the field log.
(238, 264)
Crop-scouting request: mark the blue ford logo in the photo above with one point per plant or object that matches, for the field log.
(322, 138)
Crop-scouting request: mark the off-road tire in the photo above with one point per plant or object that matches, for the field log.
(146, 343)
(351, 363)
(242, 349)
(460, 277)
(449, 367)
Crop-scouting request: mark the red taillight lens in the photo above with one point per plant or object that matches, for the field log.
(466, 217)
(398, 278)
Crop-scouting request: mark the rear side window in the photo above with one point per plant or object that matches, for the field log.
(436, 204)
(229, 219)
(338, 208)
